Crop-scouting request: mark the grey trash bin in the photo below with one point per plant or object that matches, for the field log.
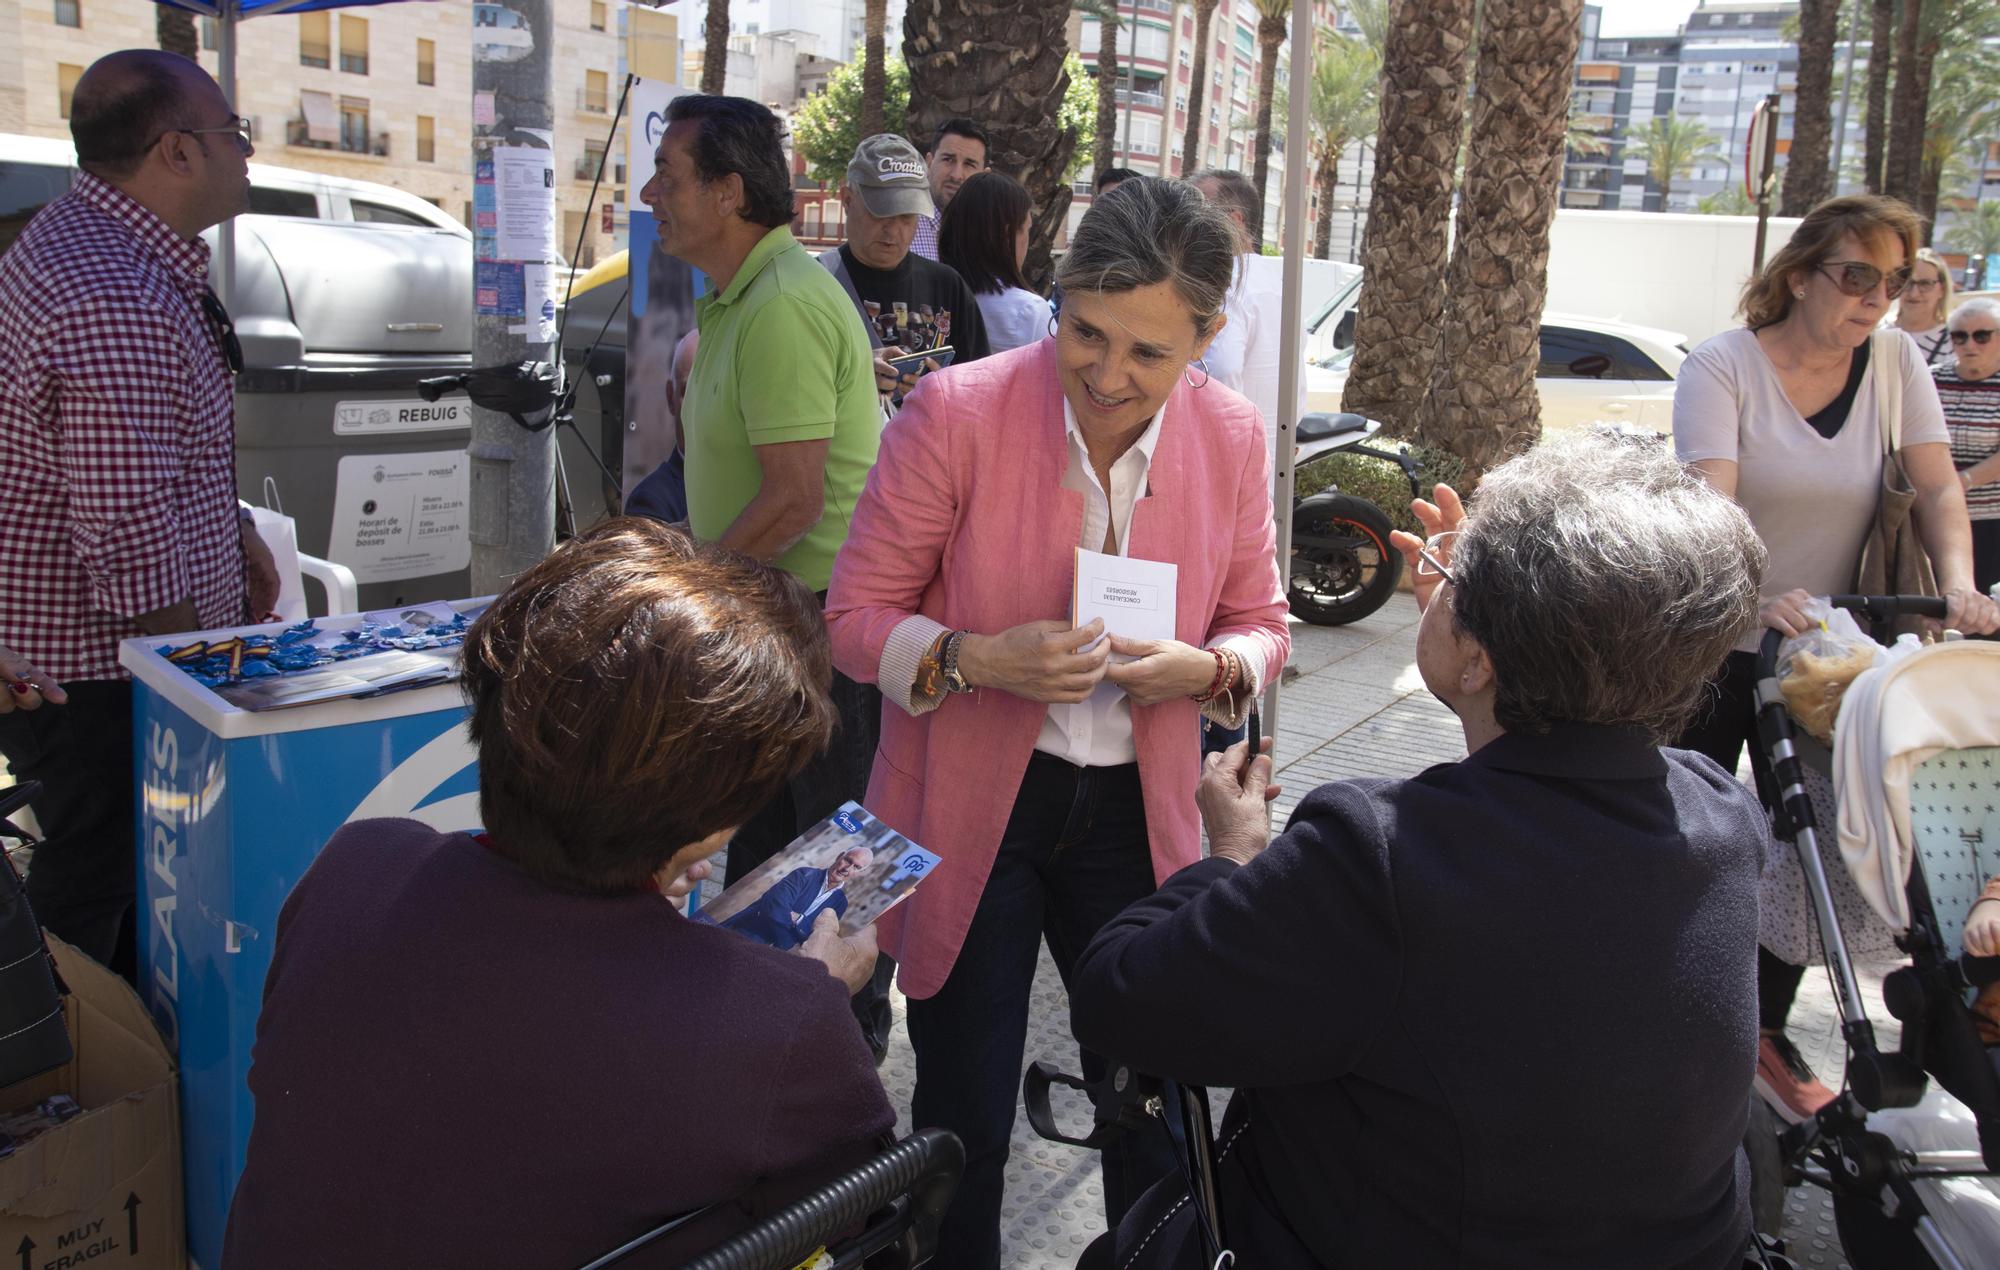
(338, 323)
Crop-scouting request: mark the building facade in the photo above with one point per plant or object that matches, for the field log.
(378, 94)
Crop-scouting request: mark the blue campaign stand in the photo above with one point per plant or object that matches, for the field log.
(233, 806)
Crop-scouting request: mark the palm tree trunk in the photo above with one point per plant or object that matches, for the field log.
(1881, 56)
(999, 62)
(1807, 182)
(1921, 68)
(1326, 187)
(1905, 122)
(1106, 156)
(1191, 148)
(1271, 31)
(1409, 213)
(1482, 400)
(175, 31)
(874, 74)
(715, 48)
(1928, 184)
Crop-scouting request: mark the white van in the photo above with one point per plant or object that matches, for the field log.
(35, 170)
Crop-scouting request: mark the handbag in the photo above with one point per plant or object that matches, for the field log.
(1893, 561)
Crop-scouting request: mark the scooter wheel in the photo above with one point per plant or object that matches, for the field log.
(1343, 567)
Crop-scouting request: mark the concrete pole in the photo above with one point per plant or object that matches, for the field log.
(512, 519)
(1291, 328)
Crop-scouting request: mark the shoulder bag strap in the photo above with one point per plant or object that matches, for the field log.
(1886, 368)
(831, 259)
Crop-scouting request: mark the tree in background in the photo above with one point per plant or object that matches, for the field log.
(1346, 77)
(1730, 200)
(1191, 147)
(1403, 249)
(175, 31)
(715, 47)
(1481, 401)
(1007, 65)
(1808, 178)
(1881, 62)
(1105, 153)
(1977, 233)
(827, 125)
(874, 72)
(1916, 46)
(1671, 146)
(1273, 23)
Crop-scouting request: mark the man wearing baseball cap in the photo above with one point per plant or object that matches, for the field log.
(909, 304)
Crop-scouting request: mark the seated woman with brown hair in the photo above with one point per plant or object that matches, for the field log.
(510, 1049)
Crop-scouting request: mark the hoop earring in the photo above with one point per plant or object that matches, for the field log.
(1189, 376)
(1052, 326)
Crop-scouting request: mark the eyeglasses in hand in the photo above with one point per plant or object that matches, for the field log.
(1430, 557)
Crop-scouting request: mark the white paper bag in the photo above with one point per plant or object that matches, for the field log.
(281, 535)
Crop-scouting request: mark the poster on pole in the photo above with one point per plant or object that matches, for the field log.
(663, 289)
(524, 193)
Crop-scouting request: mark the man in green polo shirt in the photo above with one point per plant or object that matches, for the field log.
(780, 417)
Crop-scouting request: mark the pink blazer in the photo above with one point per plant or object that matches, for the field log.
(964, 519)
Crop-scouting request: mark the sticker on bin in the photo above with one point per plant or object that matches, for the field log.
(367, 418)
(401, 515)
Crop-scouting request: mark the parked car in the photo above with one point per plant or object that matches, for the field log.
(1592, 370)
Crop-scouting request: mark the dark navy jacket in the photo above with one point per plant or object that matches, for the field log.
(768, 920)
(1502, 1014)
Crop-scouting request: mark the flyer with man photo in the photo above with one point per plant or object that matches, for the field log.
(850, 864)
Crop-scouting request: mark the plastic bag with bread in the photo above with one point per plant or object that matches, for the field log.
(1815, 669)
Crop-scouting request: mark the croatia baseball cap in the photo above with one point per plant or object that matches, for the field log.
(891, 177)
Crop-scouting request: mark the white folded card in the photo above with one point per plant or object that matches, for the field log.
(1134, 597)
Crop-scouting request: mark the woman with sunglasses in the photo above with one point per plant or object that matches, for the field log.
(1782, 414)
(1921, 309)
(1969, 389)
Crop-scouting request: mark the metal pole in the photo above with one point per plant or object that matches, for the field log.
(1766, 175)
(1846, 83)
(223, 275)
(512, 520)
(1291, 330)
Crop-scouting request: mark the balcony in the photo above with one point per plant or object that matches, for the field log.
(1153, 6)
(352, 141)
(1150, 101)
(593, 101)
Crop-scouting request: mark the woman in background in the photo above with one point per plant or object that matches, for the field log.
(984, 235)
(1926, 303)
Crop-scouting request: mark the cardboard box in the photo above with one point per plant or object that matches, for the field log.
(104, 1189)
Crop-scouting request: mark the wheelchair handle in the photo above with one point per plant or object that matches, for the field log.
(19, 796)
(929, 1160)
(1979, 971)
(1042, 1117)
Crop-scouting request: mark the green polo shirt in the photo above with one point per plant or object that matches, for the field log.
(783, 357)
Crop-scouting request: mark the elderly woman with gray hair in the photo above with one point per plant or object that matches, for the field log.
(1456, 1009)
(1049, 767)
(1969, 391)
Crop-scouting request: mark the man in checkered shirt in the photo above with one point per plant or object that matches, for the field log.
(117, 432)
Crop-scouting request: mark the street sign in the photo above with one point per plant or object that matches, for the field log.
(1762, 120)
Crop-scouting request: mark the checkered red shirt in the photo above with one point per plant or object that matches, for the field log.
(117, 435)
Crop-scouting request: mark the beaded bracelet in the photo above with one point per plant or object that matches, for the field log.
(1217, 685)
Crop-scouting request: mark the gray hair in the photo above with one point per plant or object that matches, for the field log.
(1980, 305)
(1607, 583)
(1150, 231)
(1233, 193)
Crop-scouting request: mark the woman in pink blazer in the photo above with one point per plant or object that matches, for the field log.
(1057, 783)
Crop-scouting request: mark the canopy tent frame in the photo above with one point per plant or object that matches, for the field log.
(1291, 330)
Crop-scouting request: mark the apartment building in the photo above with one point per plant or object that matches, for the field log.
(1621, 84)
(379, 94)
(1156, 42)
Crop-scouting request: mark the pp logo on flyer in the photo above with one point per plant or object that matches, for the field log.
(847, 821)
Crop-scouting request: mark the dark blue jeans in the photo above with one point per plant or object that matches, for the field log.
(1074, 855)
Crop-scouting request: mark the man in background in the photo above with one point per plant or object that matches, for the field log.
(957, 152)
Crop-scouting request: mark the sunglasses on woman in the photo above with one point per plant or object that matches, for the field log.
(1858, 277)
(1981, 338)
